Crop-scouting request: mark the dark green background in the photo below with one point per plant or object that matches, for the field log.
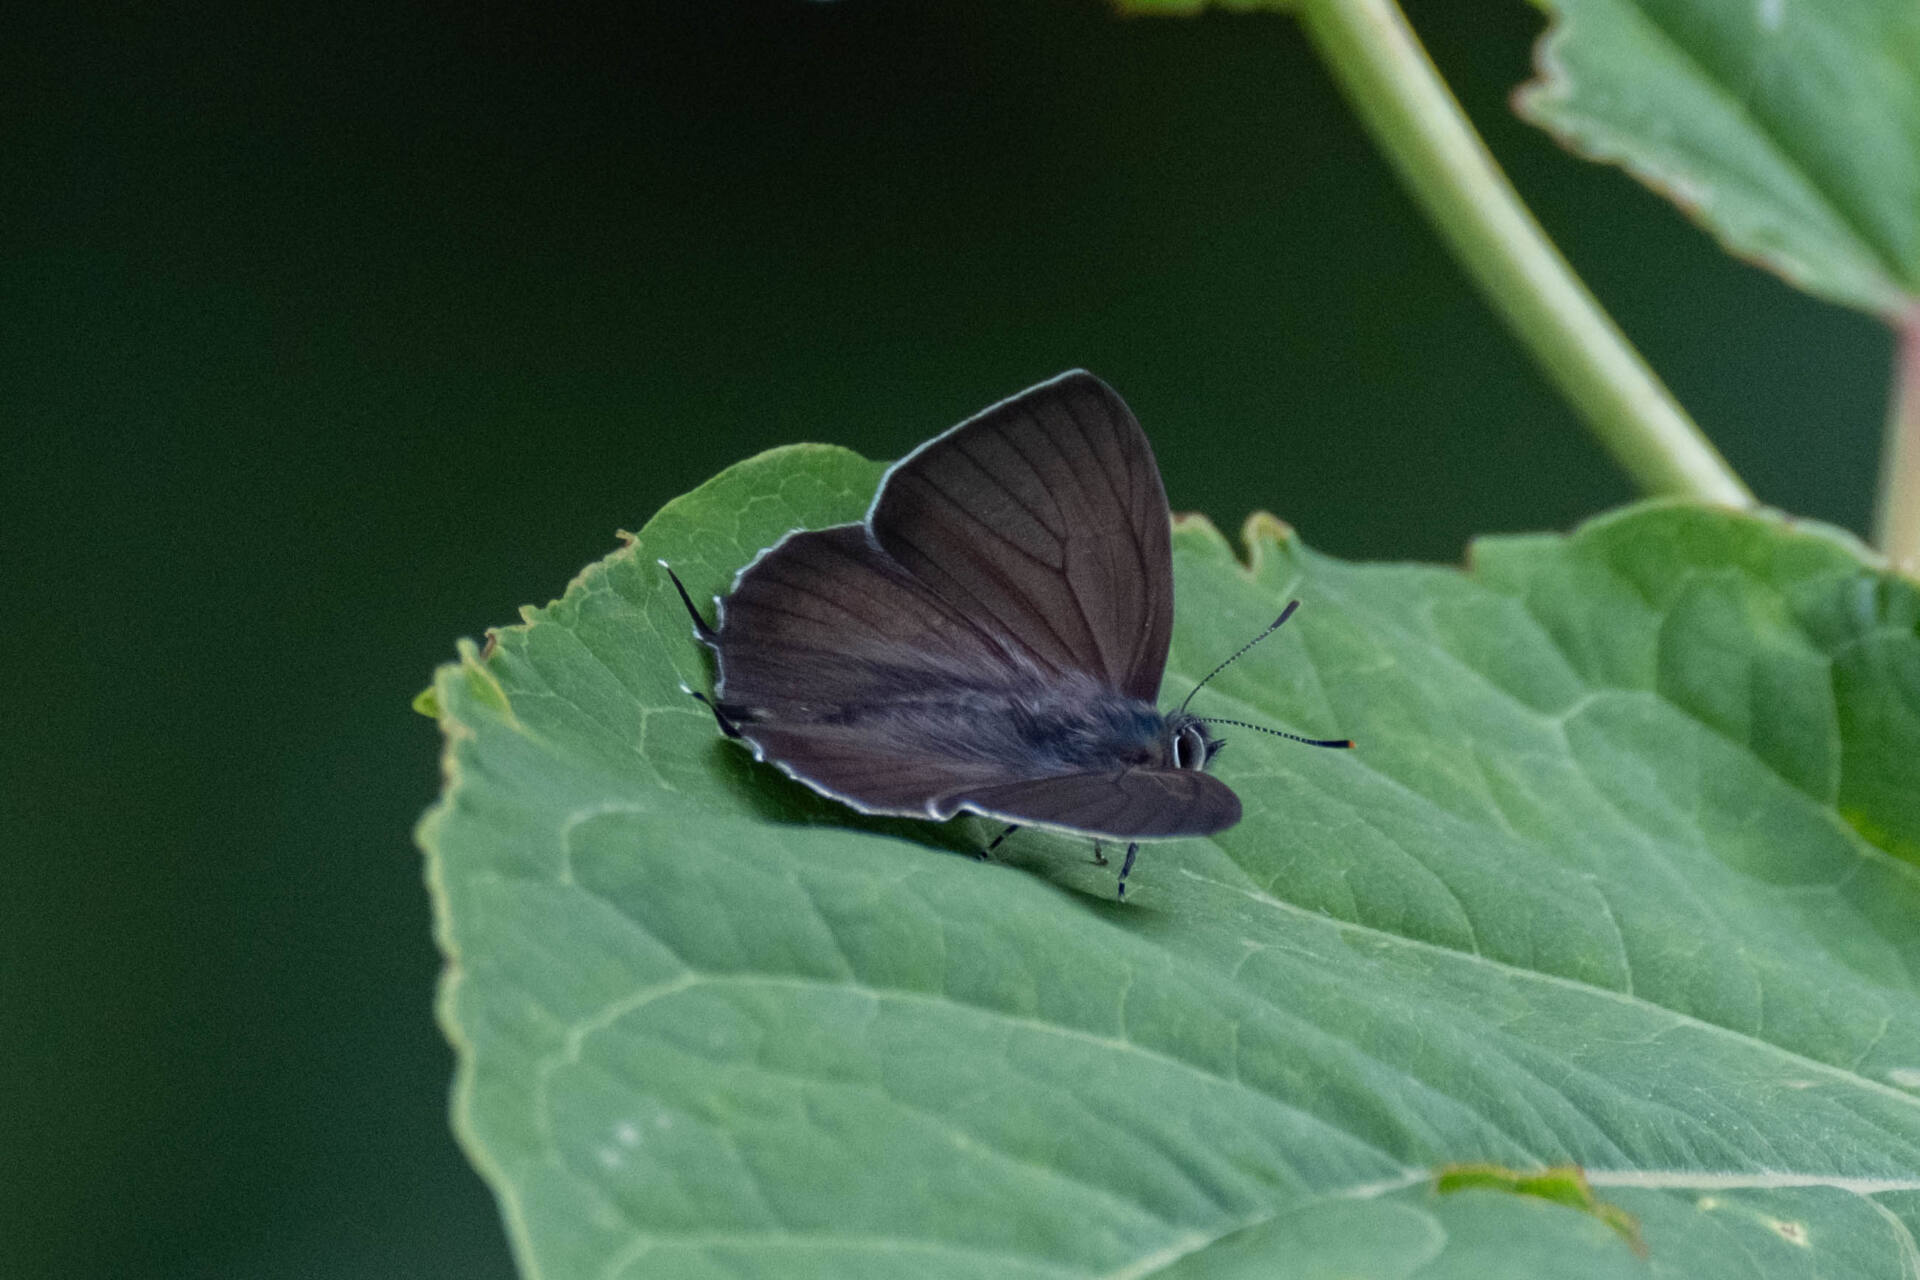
(331, 335)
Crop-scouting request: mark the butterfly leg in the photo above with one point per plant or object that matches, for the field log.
(1099, 858)
(993, 844)
(1127, 866)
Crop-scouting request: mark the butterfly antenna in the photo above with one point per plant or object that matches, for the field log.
(1281, 733)
(1275, 626)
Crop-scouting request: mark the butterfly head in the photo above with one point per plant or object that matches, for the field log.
(1191, 747)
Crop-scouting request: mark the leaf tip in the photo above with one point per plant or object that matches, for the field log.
(1268, 527)
(1263, 530)
(481, 682)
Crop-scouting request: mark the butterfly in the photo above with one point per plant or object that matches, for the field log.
(990, 639)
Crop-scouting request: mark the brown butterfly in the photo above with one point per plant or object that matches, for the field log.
(991, 639)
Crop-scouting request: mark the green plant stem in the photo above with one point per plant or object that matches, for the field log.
(1387, 76)
(1897, 522)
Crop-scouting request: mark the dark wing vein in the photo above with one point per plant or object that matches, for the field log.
(1017, 629)
(1063, 535)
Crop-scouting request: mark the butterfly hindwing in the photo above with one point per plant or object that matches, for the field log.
(872, 774)
(825, 619)
(1121, 804)
(876, 775)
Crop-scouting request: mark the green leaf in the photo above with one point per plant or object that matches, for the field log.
(1621, 876)
(1791, 130)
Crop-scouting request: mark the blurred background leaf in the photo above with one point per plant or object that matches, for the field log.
(332, 333)
(1790, 130)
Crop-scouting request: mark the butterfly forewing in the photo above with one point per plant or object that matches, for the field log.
(1044, 521)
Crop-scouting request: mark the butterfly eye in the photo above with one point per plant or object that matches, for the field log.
(1190, 748)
